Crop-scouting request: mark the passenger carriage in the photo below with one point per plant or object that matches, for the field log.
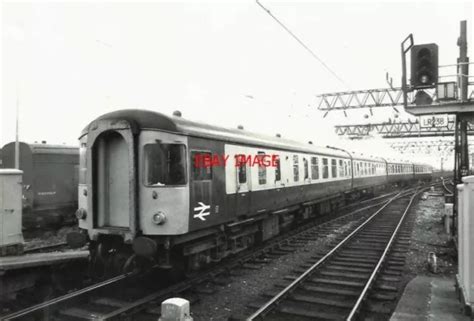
(139, 187)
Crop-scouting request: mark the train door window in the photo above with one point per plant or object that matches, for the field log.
(357, 169)
(241, 169)
(277, 168)
(325, 168)
(333, 168)
(306, 168)
(345, 169)
(296, 169)
(341, 168)
(373, 169)
(314, 168)
(201, 172)
(262, 170)
(349, 168)
(164, 164)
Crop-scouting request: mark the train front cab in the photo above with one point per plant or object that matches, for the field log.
(137, 186)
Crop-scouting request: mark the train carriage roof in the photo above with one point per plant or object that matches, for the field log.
(151, 120)
(37, 148)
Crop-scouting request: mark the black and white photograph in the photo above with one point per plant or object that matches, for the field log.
(237, 160)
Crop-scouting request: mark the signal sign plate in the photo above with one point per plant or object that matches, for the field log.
(434, 121)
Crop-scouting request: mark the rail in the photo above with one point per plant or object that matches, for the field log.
(287, 290)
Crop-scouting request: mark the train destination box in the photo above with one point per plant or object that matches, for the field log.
(11, 237)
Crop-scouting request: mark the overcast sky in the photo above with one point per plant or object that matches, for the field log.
(223, 63)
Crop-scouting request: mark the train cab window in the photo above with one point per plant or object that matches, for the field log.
(341, 168)
(306, 168)
(325, 168)
(314, 168)
(164, 164)
(201, 172)
(333, 168)
(241, 170)
(296, 168)
(262, 170)
(277, 168)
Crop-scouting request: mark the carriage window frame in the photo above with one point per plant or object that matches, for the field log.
(333, 168)
(314, 167)
(305, 168)
(296, 168)
(145, 167)
(325, 165)
(262, 169)
(239, 171)
(341, 168)
(277, 168)
(201, 177)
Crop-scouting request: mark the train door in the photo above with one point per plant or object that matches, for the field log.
(201, 186)
(243, 182)
(112, 180)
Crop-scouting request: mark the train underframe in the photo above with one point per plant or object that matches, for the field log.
(193, 251)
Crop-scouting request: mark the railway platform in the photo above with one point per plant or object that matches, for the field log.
(429, 298)
(40, 259)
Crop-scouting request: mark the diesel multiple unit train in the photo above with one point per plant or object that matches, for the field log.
(183, 194)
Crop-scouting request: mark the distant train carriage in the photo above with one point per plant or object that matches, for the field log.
(141, 191)
(50, 179)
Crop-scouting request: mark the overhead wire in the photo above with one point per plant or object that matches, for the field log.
(303, 44)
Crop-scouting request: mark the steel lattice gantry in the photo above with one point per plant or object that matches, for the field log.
(383, 97)
(398, 130)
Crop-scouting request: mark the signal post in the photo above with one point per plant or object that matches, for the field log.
(424, 75)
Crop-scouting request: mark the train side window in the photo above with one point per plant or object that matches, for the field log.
(333, 168)
(357, 169)
(325, 168)
(241, 170)
(349, 168)
(306, 168)
(314, 168)
(296, 169)
(341, 168)
(277, 168)
(200, 171)
(164, 164)
(262, 170)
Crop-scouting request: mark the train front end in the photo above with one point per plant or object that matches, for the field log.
(133, 189)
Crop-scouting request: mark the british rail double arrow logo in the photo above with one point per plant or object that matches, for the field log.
(202, 211)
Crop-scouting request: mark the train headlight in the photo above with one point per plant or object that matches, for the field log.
(159, 218)
(81, 214)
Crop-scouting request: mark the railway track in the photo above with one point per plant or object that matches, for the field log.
(46, 248)
(133, 293)
(336, 284)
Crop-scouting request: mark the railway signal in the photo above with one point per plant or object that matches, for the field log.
(424, 66)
